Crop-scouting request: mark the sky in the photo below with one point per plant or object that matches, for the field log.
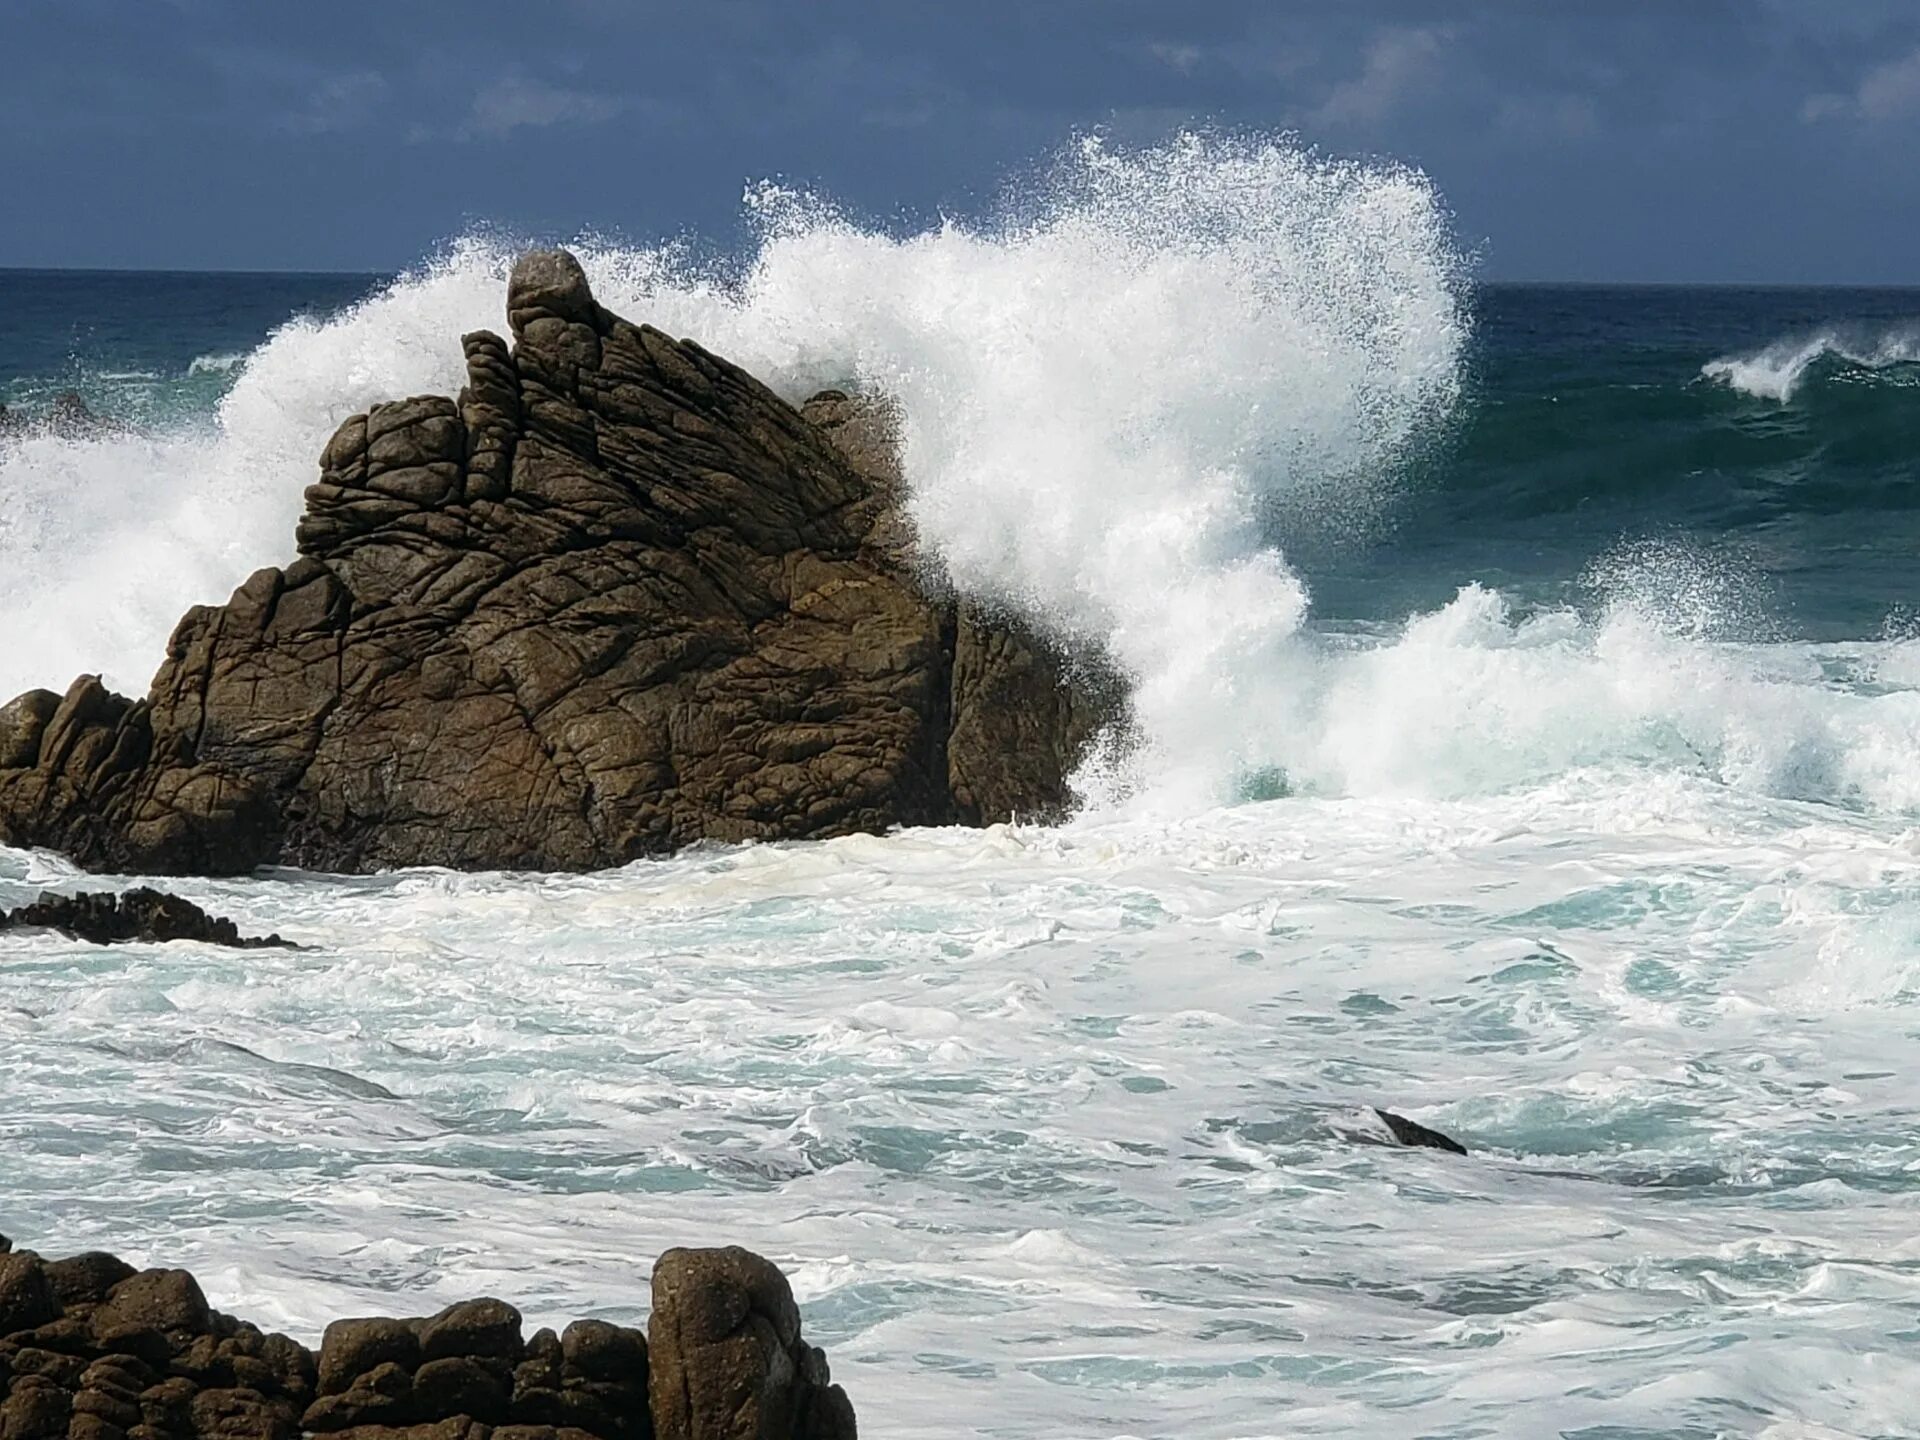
(1753, 141)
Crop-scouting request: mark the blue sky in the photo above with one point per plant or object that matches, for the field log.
(1739, 140)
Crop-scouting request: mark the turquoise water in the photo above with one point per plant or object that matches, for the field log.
(1564, 636)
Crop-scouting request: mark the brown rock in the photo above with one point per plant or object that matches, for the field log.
(482, 1328)
(614, 599)
(460, 1385)
(728, 1362)
(595, 1350)
(63, 1370)
(26, 1295)
(35, 1409)
(241, 1415)
(85, 1426)
(115, 1409)
(86, 1279)
(167, 1301)
(351, 1348)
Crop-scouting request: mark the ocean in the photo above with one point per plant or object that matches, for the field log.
(1528, 681)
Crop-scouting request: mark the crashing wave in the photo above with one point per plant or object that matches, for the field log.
(1778, 371)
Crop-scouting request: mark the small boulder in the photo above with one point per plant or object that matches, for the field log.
(241, 1414)
(35, 1409)
(86, 1279)
(460, 1385)
(595, 1350)
(168, 1301)
(26, 1296)
(484, 1329)
(352, 1348)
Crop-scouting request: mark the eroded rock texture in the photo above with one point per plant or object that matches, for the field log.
(91, 1349)
(616, 598)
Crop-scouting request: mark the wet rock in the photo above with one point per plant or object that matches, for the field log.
(140, 914)
(86, 1279)
(461, 1385)
(352, 1348)
(241, 1414)
(728, 1362)
(167, 1301)
(1412, 1132)
(26, 1296)
(140, 1355)
(35, 1409)
(614, 599)
(595, 1350)
(483, 1327)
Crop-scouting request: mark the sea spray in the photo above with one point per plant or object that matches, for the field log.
(1099, 388)
(1779, 370)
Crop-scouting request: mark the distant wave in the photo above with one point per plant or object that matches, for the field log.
(1778, 371)
(215, 364)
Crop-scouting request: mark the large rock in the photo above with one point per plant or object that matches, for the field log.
(616, 598)
(728, 1360)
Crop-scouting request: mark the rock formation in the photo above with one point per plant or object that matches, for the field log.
(139, 914)
(91, 1349)
(1413, 1133)
(616, 598)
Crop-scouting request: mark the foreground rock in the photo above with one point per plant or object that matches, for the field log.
(614, 599)
(139, 914)
(91, 1349)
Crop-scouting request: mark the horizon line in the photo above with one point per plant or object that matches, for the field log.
(1514, 282)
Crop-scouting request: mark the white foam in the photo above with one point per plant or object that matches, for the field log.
(1099, 390)
(1052, 1141)
(1777, 371)
(223, 363)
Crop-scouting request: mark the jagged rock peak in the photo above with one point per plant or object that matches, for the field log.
(615, 598)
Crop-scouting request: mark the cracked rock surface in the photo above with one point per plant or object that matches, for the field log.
(615, 598)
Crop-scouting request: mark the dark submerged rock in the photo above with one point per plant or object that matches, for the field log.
(1412, 1132)
(140, 914)
(91, 1348)
(613, 599)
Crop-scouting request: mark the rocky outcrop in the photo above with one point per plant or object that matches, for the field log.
(615, 598)
(140, 914)
(91, 1349)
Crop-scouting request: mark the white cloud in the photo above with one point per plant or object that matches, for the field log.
(1398, 63)
(1184, 58)
(340, 102)
(1886, 92)
(518, 103)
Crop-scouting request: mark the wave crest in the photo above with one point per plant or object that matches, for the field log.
(1099, 390)
(1778, 371)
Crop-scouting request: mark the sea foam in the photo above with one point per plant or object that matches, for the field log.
(1100, 388)
(1779, 370)
(1108, 392)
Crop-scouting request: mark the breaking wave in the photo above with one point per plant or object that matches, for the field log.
(1779, 371)
(1109, 391)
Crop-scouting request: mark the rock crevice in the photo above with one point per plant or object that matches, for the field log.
(615, 598)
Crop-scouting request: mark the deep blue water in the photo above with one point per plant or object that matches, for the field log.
(1588, 428)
